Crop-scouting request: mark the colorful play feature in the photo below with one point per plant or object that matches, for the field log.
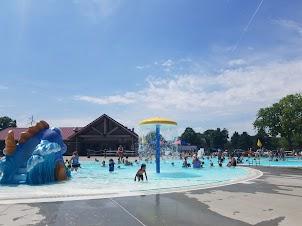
(37, 158)
(157, 121)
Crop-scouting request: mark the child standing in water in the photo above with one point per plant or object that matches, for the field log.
(75, 164)
(111, 165)
(140, 173)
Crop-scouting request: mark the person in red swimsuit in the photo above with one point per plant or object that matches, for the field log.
(120, 153)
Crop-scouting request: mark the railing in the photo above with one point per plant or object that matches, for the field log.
(110, 152)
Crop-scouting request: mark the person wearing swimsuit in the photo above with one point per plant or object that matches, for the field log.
(75, 161)
(120, 153)
(140, 173)
(111, 165)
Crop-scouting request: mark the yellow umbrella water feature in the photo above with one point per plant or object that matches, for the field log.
(157, 121)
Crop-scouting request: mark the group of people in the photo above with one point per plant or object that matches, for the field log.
(276, 156)
(198, 162)
(139, 176)
(73, 164)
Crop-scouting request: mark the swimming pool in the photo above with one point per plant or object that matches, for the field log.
(288, 162)
(94, 181)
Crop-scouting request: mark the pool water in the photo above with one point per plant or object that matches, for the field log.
(288, 162)
(93, 180)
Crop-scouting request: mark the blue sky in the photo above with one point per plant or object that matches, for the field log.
(206, 64)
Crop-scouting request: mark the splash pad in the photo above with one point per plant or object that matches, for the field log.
(93, 181)
(156, 124)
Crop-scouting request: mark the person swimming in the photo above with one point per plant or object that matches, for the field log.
(127, 162)
(196, 163)
(211, 163)
(103, 163)
(140, 173)
(185, 163)
(111, 165)
(232, 162)
(75, 161)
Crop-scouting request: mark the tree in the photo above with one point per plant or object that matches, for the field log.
(150, 138)
(6, 122)
(235, 139)
(267, 141)
(193, 138)
(200, 141)
(216, 138)
(242, 141)
(189, 136)
(220, 138)
(209, 137)
(282, 119)
(245, 141)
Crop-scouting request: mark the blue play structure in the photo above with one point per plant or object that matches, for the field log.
(36, 159)
(157, 149)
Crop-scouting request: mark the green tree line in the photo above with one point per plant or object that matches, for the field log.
(278, 126)
(213, 139)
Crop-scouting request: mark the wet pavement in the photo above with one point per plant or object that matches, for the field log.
(274, 199)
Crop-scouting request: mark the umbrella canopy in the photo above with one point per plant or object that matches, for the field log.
(157, 120)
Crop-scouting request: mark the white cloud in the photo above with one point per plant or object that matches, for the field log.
(142, 67)
(290, 24)
(236, 62)
(127, 98)
(221, 99)
(230, 88)
(168, 63)
(70, 122)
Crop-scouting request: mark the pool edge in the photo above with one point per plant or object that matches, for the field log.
(252, 175)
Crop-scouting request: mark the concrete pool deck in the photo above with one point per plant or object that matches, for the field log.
(273, 199)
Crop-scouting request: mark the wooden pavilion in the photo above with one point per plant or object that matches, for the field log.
(100, 137)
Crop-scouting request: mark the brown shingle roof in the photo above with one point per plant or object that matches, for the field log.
(80, 130)
(66, 132)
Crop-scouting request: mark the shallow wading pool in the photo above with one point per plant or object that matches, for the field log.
(94, 181)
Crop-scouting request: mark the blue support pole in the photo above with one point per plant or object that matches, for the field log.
(157, 155)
